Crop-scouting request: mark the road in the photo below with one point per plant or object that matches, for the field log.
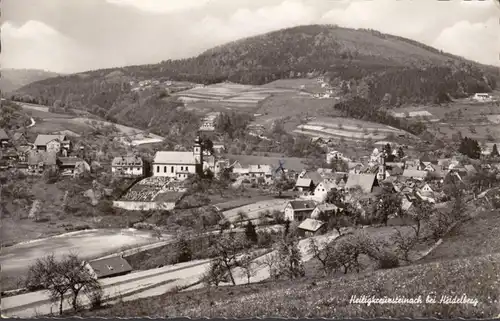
(128, 287)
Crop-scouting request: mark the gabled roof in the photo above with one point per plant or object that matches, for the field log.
(43, 140)
(365, 181)
(185, 158)
(260, 169)
(110, 266)
(326, 207)
(470, 169)
(414, 173)
(303, 205)
(311, 225)
(327, 185)
(3, 134)
(303, 182)
(17, 136)
(314, 176)
(127, 161)
(69, 161)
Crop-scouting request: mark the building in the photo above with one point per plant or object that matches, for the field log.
(482, 97)
(324, 208)
(39, 161)
(4, 138)
(322, 190)
(104, 268)
(299, 210)
(304, 185)
(311, 227)
(70, 166)
(364, 181)
(127, 166)
(53, 143)
(178, 164)
(415, 174)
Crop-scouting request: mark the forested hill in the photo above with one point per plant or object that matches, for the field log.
(12, 79)
(373, 65)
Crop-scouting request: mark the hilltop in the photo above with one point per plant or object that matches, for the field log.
(379, 67)
(13, 79)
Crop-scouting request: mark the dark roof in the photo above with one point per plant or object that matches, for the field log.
(69, 161)
(303, 205)
(290, 163)
(110, 266)
(314, 176)
(3, 134)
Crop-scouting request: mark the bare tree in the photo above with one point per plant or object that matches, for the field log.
(214, 274)
(248, 267)
(324, 254)
(60, 278)
(404, 243)
(290, 263)
(271, 262)
(226, 251)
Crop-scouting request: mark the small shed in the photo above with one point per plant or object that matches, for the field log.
(108, 267)
(311, 227)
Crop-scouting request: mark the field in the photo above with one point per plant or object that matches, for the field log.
(348, 129)
(291, 163)
(254, 210)
(47, 123)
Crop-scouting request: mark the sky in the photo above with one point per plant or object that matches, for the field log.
(77, 35)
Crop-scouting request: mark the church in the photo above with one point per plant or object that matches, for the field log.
(178, 164)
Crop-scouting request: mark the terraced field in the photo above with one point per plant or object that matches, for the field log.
(348, 129)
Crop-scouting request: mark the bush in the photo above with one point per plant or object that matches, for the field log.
(387, 260)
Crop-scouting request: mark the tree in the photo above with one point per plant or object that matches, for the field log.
(388, 204)
(290, 263)
(226, 250)
(184, 253)
(470, 147)
(494, 151)
(323, 254)
(388, 149)
(69, 275)
(281, 184)
(335, 197)
(421, 212)
(401, 153)
(270, 261)
(214, 274)
(251, 233)
(248, 267)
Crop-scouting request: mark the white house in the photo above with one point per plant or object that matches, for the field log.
(322, 190)
(52, 143)
(127, 166)
(482, 97)
(178, 164)
(299, 210)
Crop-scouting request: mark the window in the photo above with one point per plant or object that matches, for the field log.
(164, 169)
(172, 169)
(157, 169)
(182, 168)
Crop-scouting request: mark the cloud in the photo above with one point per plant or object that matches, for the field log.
(476, 41)
(245, 22)
(39, 46)
(161, 6)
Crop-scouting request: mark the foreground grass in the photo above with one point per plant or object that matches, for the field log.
(477, 278)
(475, 237)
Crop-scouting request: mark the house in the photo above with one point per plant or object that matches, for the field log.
(39, 161)
(178, 164)
(322, 190)
(70, 166)
(260, 170)
(4, 138)
(299, 210)
(444, 163)
(238, 169)
(355, 168)
(127, 166)
(113, 266)
(311, 227)
(304, 185)
(365, 181)
(415, 174)
(414, 164)
(323, 171)
(325, 208)
(429, 167)
(314, 176)
(427, 189)
(52, 143)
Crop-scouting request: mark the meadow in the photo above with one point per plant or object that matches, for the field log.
(347, 128)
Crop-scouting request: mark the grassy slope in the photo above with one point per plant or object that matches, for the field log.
(467, 263)
(477, 278)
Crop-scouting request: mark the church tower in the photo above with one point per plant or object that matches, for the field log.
(381, 175)
(198, 154)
